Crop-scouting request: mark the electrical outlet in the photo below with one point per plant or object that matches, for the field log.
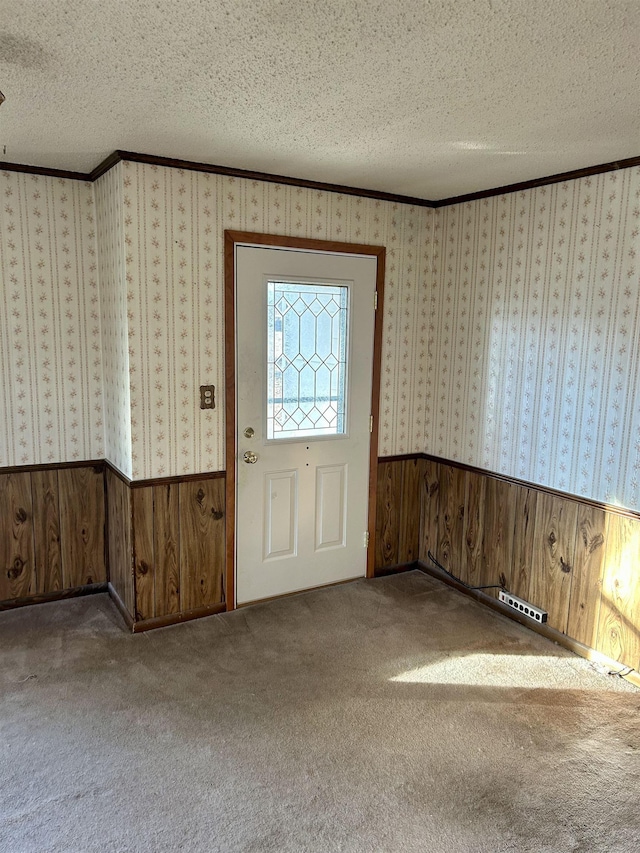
(523, 606)
(207, 397)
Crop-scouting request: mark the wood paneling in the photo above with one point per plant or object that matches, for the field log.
(166, 538)
(619, 618)
(175, 559)
(499, 533)
(388, 499)
(451, 519)
(576, 559)
(201, 540)
(143, 547)
(554, 543)
(120, 540)
(46, 531)
(17, 565)
(429, 508)
(82, 515)
(586, 586)
(409, 536)
(525, 503)
(52, 522)
(473, 536)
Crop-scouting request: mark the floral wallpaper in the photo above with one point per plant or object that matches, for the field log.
(113, 303)
(174, 221)
(50, 340)
(510, 333)
(534, 336)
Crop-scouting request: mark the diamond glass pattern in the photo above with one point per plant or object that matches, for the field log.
(306, 359)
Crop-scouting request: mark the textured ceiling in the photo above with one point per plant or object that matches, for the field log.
(428, 99)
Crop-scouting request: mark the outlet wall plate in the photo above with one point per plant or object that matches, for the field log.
(207, 397)
(536, 613)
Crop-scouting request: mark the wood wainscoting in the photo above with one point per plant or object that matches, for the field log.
(73, 529)
(166, 548)
(119, 542)
(52, 542)
(179, 550)
(68, 529)
(577, 559)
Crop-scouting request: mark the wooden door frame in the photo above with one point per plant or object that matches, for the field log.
(231, 240)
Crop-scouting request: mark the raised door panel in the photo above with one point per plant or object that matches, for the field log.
(280, 515)
(331, 506)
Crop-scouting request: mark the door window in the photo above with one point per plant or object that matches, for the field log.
(307, 349)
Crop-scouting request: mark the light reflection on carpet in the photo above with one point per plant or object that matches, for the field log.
(514, 670)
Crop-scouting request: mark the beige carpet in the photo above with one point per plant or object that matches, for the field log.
(386, 715)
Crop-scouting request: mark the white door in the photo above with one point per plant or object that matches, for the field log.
(304, 357)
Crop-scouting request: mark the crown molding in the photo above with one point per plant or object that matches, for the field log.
(559, 178)
(190, 165)
(43, 170)
(228, 171)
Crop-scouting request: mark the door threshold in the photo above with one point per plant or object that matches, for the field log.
(298, 592)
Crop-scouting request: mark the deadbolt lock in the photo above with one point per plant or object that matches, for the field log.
(249, 432)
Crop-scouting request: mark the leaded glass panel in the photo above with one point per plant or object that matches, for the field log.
(306, 359)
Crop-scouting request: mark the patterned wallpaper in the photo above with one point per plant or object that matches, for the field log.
(511, 324)
(113, 303)
(174, 222)
(534, 336)
(50, 349)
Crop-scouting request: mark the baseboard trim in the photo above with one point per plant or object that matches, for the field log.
(544, 630)
(396, 570)
(120, 606)
(176, 618)
(58, 595)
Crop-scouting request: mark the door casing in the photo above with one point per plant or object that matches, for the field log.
(231, 239)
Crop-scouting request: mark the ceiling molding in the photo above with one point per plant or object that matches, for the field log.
(541, 182)
(43, 170)
(270, 178)
(108, 163)
(169, 162)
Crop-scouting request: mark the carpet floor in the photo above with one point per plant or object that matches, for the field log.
(386, 715)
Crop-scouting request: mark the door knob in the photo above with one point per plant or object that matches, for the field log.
(250, 457)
